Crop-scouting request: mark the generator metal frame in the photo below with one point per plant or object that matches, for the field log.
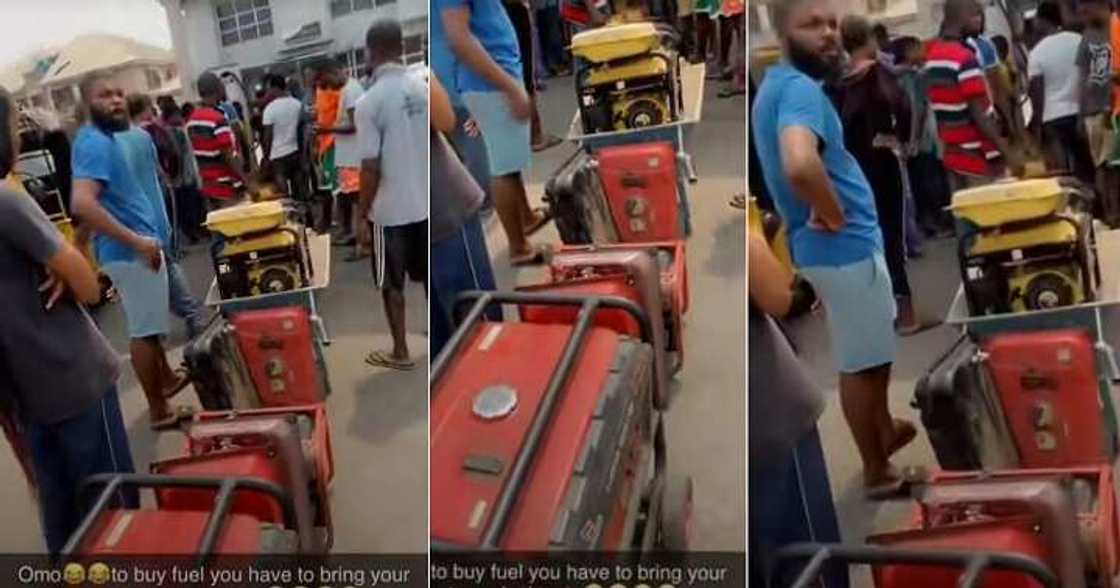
(974, 563)
(223, 503)
(495, 528)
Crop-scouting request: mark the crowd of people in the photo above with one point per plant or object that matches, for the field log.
(144, 175)
(858, 140)
(489, 58)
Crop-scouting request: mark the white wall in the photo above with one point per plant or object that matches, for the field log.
(202, 41)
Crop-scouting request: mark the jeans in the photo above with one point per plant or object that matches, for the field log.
(1069, 149)
(551, 37)
(183, 304)
(791, 502)
(94, 442)
(189, 201)
(472, 150)
(459, 263)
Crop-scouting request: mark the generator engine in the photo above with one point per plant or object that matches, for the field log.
(632, 80)
(1025, 246)
(262, 251)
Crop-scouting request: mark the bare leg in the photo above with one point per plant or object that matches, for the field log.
(863, 398)
(394, 312)
(150, 363)
(510, 202)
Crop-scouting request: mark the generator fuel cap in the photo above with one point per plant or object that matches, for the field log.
(495, 402)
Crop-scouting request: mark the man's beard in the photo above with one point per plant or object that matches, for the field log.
(812, 64)
(107, 122)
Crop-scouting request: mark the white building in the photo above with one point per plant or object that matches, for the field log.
(255, 37)
(47, 81)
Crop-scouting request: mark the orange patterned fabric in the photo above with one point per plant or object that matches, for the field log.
(327, 103)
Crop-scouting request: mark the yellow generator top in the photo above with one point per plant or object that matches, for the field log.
(246, 218)
(1008, 202)
(616, 42)
(285, 239)
(1058, 232)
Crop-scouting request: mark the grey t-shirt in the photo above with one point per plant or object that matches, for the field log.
(783, 403)
(455, 194)
(58, 362)
(1094, 57)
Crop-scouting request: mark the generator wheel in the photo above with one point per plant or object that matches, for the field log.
(676, 513)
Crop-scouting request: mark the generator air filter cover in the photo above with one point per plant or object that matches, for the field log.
(1007, 202)
(615, 42)
(246, 218)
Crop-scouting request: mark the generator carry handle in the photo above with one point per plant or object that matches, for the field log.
(484, 298)
(974, 563)
(223, 502)
(494, 530)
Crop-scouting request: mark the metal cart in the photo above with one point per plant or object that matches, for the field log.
(692, 83)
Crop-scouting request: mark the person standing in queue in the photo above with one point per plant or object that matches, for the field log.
(127, 228)
(58, 373)
(392, 121)
(828, 206)
(215, 147)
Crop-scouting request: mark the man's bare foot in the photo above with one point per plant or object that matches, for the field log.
(903, 433)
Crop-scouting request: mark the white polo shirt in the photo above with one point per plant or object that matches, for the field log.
(392, 122)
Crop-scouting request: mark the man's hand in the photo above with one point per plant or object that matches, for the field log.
(150, 251)
(55, 286)
(817, 222)
(364, 238)
(519, 105)
(471, 128)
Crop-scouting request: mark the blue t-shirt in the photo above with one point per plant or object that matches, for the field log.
(490, 24)
(986, 53)
(789, 98)
(98, 156)
(444, 63)
(140, 153)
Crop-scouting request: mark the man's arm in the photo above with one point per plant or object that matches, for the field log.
(87, 208)
(769, 283)
(803, 166)
(456, 22)
(266, 142)
(1037, 94)
(441, 112)
(73, 269)
(369, 180)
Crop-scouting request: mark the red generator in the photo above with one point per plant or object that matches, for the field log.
(271, 448)
(575, 261)
(545, 436)
(629, 274)
(213, 530)
(1050, 389)
(1065, 518)
(282, 355)
(640, 183)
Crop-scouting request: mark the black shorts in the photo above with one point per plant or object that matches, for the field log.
(398, 252)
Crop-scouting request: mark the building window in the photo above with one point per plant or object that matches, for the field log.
(415, 49)
(243, 20)
(154, 82)
(344, 7)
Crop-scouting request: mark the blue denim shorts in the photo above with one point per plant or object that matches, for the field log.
(861, 311)
(144, 296)
(507, 139)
